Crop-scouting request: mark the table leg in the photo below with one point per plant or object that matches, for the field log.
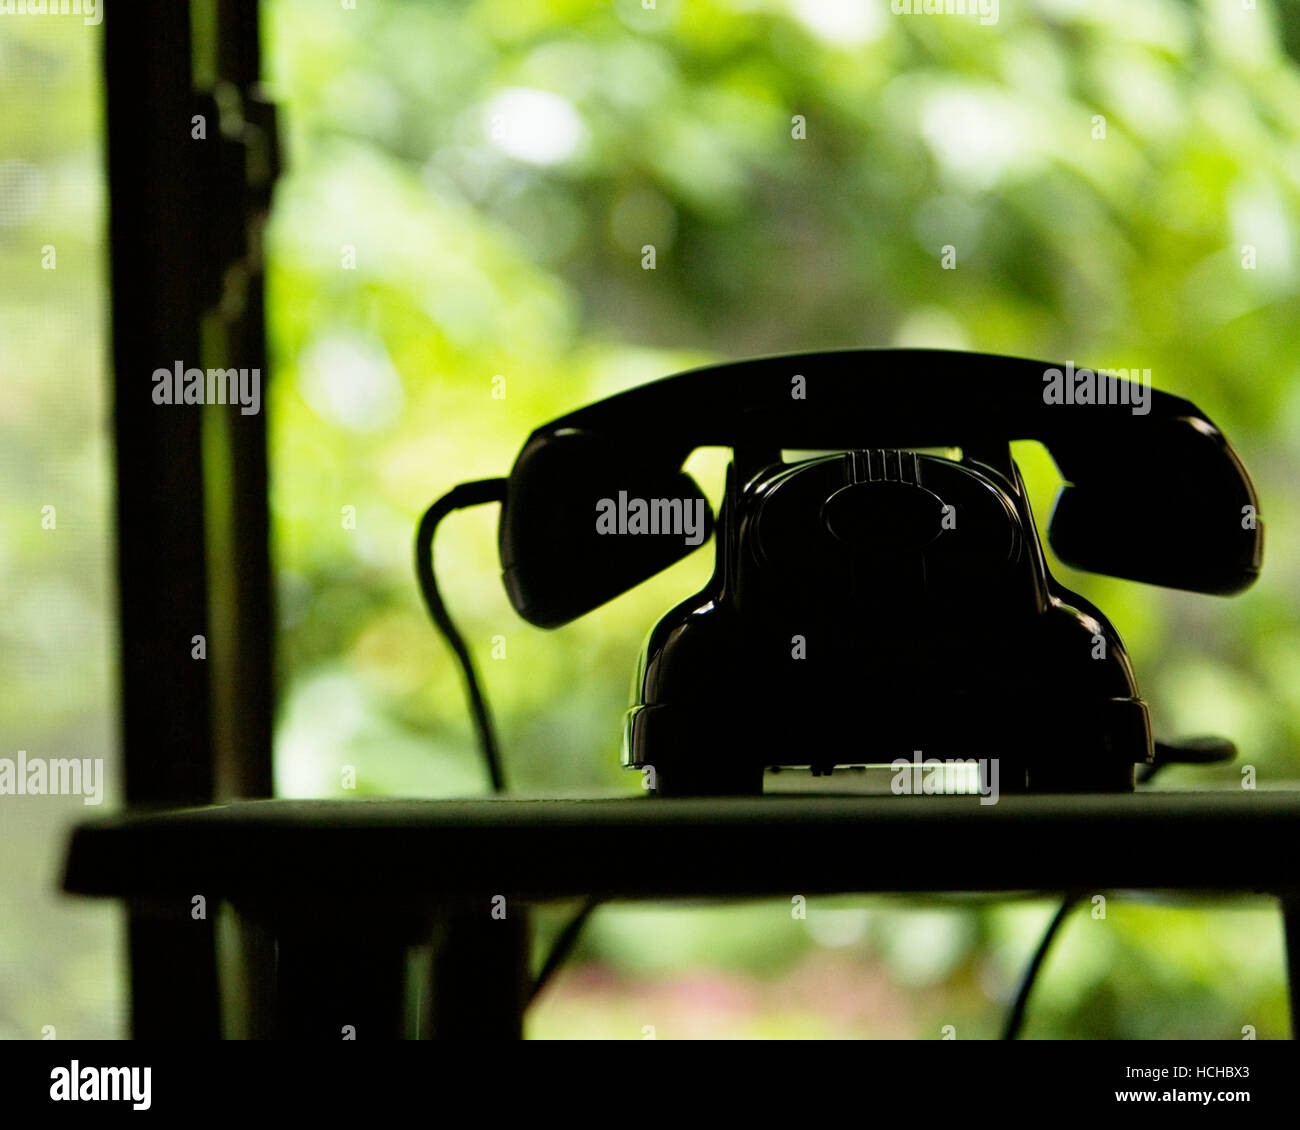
(337, 986)
(480, 980)
(1291, 925)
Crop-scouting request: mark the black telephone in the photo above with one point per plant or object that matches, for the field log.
(879, 601)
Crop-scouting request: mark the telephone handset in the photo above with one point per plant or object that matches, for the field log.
(879, 601)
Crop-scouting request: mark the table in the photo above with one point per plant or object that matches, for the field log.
(343, 888)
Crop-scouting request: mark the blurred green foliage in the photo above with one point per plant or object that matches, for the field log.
(499, 169)
(58, 959)
(470, 187)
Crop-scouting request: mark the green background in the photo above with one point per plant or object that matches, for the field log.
(497, 169)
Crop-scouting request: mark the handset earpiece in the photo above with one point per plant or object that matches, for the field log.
(1166, 502)
(589, 516)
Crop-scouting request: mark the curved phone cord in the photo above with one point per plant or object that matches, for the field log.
(562, 946)
(467, 494)
(477, 494)
(1016, 1017)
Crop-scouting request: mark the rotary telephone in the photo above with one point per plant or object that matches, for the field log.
(881, 599)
